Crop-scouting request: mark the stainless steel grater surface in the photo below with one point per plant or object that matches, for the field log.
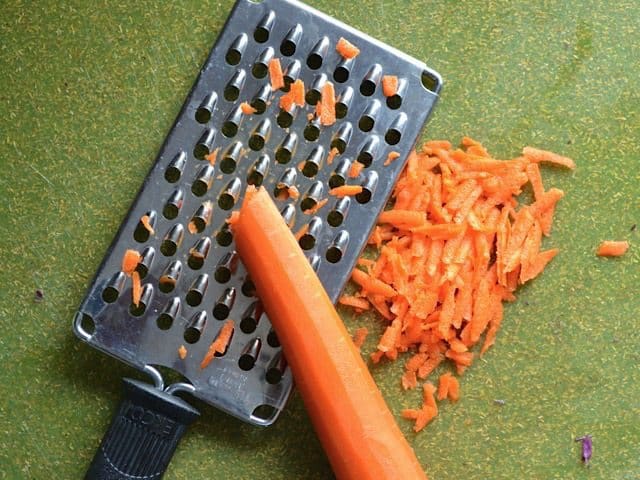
(187, 200)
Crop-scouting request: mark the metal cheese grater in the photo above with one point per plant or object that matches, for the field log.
(192, 279)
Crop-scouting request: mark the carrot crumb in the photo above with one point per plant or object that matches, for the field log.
(345, 191)
(247, 109)
(211, 157)
(355, 169)
(275, 74)
(389, 85)
(346, 49)
(130, 261)
(331, 155)
(610, 248)
(182, 352)
(146, 223)
(391, 158)
(193, 229)
(360, 336)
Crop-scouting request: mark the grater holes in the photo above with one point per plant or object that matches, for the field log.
(115, 285)
(338, 213)
(312, 197)
(339, 176)
(236, 50)
(145, 300)
(308, 240)
(319, 51)
(234, 85)
(175, 168)
(172, 240)
(258, 171)
(371, 80)
(260, 99)
(285, 118)
(232, 122)
(226, 267)
(311, 165)
(343, 70)
(272, 339)
(344, 102)
(315, 92)
(250, 354)
(290, 43)
(173, 205)
(368, 188)
(248, 288)
(260, 134)
(231, 157)
(370, 115)
(85, 323)
(369, 150)
(167, 317)
(205, 109)
(197, 290)
(342, 137)
(311, 132)
(431, 81)
(203, 181)
(276, 369)
(263, 29)
(291, 74)
(251, 317)
(396, 129)
(314, 261)
(224, 237)
(198, 253)
(228, 197)
(195, 327)
(201, 218)
(337, 248)
(141, 233)
(286, 149)
(224, 304)
(170, 276)
(204, 146)
(395, 101)
(146, 260)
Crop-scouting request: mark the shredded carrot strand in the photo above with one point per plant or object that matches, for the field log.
(220, 344)
(345, 191)
(146, 223)
(136, 290)
(130, 261)
(275, 74)
(346, 49)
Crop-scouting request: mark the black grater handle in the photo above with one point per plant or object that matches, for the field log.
(143, 434)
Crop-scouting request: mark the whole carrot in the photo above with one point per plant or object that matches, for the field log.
(357, 430)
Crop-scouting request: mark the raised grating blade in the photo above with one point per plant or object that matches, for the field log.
(192, 279)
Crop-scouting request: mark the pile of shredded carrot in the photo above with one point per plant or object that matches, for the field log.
(455, 245)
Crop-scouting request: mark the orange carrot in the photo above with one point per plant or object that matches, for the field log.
(443, 385)
(182, 352)
(372, 285)
(247, 109)
(130, 261)
(355, 169)
(402, 218)
(393, 155)
(345, 191)
(389, 85)
(453, 391)
(297, 92)
(275, 74)
(136, 291)
(211, 158)
(191, 226)
(327, 105)
(233, 218)
(144, 220)
(342, 399)
(346, 49)
(610, 248)
(331, 155)
(353, 301)
(536, 155)
(360, 336)
(220, 344)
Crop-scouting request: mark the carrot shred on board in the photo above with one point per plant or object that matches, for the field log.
(220, 344)
(359, 337)
(332, 155)
(247, 109)
(455, 244)
(389, 85)
(345, 191)
(136, 290)
(346, 49)
(536, 155)
(610, 248)
(182, 352)
(356, 302)
(355, 169)
(392, 157)
(276, 77)
(146, 223)
(130, 261)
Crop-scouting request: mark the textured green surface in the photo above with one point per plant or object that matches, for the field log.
(89, 89)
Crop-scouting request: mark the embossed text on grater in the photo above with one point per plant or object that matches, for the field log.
(192, 280)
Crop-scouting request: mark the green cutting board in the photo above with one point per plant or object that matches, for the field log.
(88, 91)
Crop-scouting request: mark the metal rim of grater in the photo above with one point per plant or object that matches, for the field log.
(265, 148)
